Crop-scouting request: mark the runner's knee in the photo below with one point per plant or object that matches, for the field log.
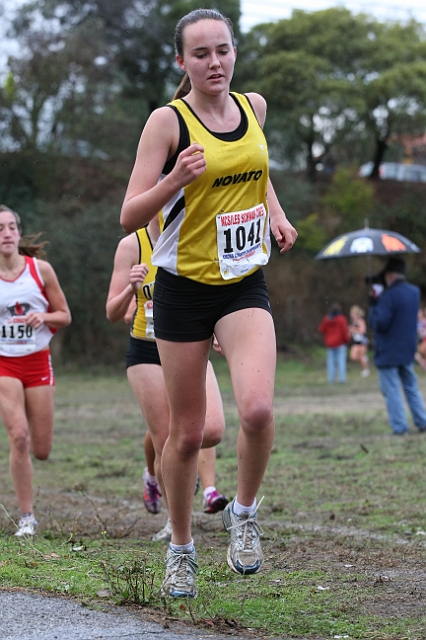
(257, 416)
(41, 452)
(211, 440)
(213, 435)
(19, 441)
(188, 444)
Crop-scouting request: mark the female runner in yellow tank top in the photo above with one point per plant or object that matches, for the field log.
(203, 162)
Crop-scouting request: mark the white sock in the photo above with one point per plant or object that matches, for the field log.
(240, 509)
(183, 547)
(150, 478)
(208, 490)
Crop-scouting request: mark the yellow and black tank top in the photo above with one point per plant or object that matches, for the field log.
(216, 230)
(143, 322)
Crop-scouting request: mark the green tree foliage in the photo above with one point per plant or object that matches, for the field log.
(56, 95)
(81, 249)
(304, 67)
(137, 38)
(312, 235)
(332, 78)
(74, 99)
(76, 207)
(395, 105)
(348, 202)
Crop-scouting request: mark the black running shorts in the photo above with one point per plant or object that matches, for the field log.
(187, 311)
(142, 352)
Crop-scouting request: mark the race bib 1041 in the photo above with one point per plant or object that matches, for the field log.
(149, 317)
(240, 241)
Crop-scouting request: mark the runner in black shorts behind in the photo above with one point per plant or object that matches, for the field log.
(132, 284)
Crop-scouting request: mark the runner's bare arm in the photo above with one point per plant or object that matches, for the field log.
(283, 231)
(122, 287)
(60, 315)
(145, 195)
(130, 311)
(258, 103)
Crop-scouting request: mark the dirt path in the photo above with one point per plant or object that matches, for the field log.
(383, 569)
(339, 403)
(338, 399)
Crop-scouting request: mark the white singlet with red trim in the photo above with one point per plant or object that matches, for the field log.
(17, 298)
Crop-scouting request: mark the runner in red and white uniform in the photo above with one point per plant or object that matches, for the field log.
(32, 308)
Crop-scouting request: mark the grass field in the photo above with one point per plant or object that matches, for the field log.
(343, 514)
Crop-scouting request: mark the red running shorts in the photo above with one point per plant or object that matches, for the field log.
(34, 370)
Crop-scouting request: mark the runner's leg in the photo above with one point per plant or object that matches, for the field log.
(39, 406)
(247, 338)
(147, 384)
(149, 453)
(184, 367)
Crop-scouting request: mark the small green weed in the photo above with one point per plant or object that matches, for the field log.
(133, 580)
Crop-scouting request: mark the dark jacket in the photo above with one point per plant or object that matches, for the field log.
(394, 321)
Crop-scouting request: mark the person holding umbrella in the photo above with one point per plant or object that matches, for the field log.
(393, 318)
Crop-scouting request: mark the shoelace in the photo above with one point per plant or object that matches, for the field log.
(248, 531)
(181, 562)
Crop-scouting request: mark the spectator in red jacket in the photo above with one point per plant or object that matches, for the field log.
(334, 328)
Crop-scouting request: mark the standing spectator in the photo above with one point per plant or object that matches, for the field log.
(393, 318)
(420, 356)
(334, 328)
(359, 340)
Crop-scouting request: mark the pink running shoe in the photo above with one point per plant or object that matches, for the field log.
(151, 494)
(214, 502)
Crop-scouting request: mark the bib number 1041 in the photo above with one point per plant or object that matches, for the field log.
(237, 238)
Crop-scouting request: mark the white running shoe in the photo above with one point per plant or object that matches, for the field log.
(165, 534)
(27, 526)
(245, 554)
(365, 373)
(181, 567)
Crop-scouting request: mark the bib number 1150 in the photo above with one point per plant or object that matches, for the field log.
(16, 331)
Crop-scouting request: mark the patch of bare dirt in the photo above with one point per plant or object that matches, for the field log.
(387, 575)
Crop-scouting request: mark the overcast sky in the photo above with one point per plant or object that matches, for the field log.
(268, 11)
(254, 11)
